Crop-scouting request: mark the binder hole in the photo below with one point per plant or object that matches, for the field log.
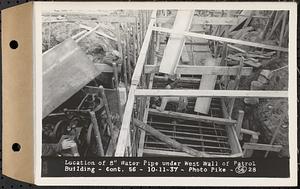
(13, 44)
(16, 147)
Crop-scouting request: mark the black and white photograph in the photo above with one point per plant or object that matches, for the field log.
(209, 86)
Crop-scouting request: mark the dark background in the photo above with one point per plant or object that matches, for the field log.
(6, 182)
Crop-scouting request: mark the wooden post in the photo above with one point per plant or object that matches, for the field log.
(239, 124)
(284, 19)
(275, 25)
(108, 114)
(135, 48)
(249, 152)
(274, 137)
(192, 117)
(264, 32)
(236, 85)
(128, 54)
(171, 142)
(115, 70)
(100, 151)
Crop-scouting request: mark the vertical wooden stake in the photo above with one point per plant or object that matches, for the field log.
(100, 151)
(137, 35)
(115, 70)
(107, 110)
(128, 55)
(236, 85)
(134, 45)
(282, 31)
(239, 124)
(274, 137)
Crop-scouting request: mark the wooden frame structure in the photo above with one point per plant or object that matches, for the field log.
(124, 143)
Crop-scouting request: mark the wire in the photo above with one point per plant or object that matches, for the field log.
(279, 68)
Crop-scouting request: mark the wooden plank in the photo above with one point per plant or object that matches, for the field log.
(208, 82)
(101, 33)
(124, 134)
(162, 152)
(100, 151)
(192, 117)
(235, 86)
(185, 59)
(232, 136)
(201, 48)
(211, 93)
(175, 43)
(262, 147)
(233, 141)
(171, 142)
(87, 33)
(223, 39)
(200, 139)
(105, 68)
(203, 70)
(248, 62)
(237, 48)
(240, 19)
(203, 20)
(239, 124)
(165, 153)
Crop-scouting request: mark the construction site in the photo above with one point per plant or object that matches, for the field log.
(140, 83)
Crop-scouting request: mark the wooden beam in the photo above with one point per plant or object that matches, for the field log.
(192, 117)
(105, 68)
(173, 50)
(223, 39)
(262, 147)
(185, 56)
(165, 153)
(100, 151)
(124, 134)
(249, 132)
(202, 20)
(170, 142)
(202, 70)
(239, 124)
(211, 93)
(87, 33)
(97, 32)
(208, 82)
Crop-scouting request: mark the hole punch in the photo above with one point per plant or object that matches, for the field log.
(16, 147)
(13, 44)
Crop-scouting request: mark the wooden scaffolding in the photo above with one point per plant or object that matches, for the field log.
(181, 134)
